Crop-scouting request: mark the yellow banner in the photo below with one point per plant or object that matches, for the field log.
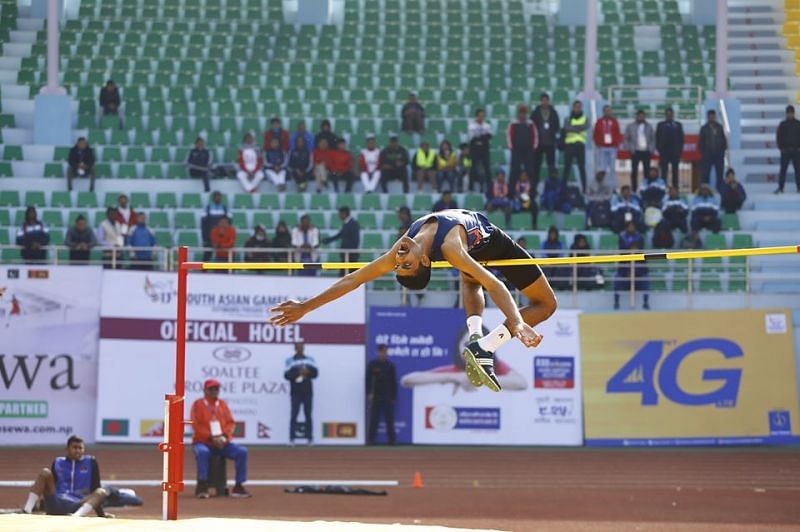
(684, 378)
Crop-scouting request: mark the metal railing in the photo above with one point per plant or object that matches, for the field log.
(659, 99)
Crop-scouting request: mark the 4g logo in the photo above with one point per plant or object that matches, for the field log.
(639, 374)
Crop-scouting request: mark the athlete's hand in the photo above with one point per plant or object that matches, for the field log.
(528, 336)
(287, 312)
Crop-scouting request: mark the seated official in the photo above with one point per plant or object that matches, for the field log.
(731, 193)
(653, 189)
(626, 208)
(705, 210)
(71, 486)
(212, 424)
(675, 211)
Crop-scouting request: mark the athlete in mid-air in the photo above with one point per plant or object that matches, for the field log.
(464, 239)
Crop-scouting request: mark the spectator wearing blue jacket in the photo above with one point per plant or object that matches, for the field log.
(705, 210)
(626, 207)
(275, 164)
(653, 189)
(675, 211)
(33, 236)
(300, 163)
(71, 486)
(303, 133)
(141, 239)
(553, 246)
(731, 193)
(631, 275)
(349, 234)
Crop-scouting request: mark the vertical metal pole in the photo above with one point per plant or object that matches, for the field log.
(52, 47)
(722, 49)
(590, 51)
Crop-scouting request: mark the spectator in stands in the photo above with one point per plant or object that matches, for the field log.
(692, 240)
(548, 125)
(301, 370)
(524, 199)
(575, 127)
(394, 164)
(522, 242)
(669, 143)
(712, 145)
(445, 202)
(552, 247)
(111, 236)
(788, 140)
(142, 241)
(325, 133)
(223, 239)
(349, 234)
(662, 235)
(71, 486)
(464, 169)
(653, 189)
(276, 131)
(381, 394)
(275, 164)
(639, 142)
(480, 136)
(340, 167)
(320, 159)
(126, 216)
(404, 217)
(731, 193)
(250, 173)
(214, 211)
(607, 138)
(497, 195)
(705, 210)
(522, 141)
(424, 165)
(212, 434)
(300, 133)
(369, 162)
(281, 240)
(553, 194)
(305, 239)
(587, 276)
(81, 163)
(109, 98)
(200, 162)
(598, 202)
(675, 210)
(257, 242)
(80, 240)
(626, 207)
(300, 164)
(631, 275)
(412, 115)
(446, 168)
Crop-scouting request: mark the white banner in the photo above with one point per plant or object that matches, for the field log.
(229, 339)
(540, 403)
(48, 353)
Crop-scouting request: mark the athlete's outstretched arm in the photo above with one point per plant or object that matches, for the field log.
(290, 311)
(455, 253)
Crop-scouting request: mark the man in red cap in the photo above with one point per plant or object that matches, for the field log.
(213, 425)
(522, 142)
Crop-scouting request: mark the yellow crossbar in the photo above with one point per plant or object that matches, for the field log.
(594, 259)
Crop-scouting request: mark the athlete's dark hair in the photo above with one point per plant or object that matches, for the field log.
(418, 281)
(74, 439)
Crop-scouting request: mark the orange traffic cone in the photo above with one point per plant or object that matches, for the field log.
(417, 480)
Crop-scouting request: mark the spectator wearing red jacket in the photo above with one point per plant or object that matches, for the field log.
(251, 162)
(607, 137)
(125, 215)
(276, 132)
(369, 164)
(340, 166)
(523, 139)
(223, 238)
(321, 161)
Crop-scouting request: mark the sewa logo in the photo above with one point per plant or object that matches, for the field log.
(640, 373)
(26, 370)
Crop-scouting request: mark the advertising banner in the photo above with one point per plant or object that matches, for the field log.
(689, 378)
(49, 318)
(540, 403)
(229, 339)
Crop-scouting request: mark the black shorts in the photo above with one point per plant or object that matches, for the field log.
(501, 246)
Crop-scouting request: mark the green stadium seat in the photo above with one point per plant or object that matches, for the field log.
(422, 202)
(158, 220)
(191, 200)
(243, 201)
(185, 220)
(12, 153)
(344, 199)
(320, 202)
(60, 198)
(263, 218)
(140, 200)
(188, 238)
(497, 219)
(370, 202)
(269, 201)
(53, 218)
(395, 201)
(545, 220)
(367, 220)
(35, 198)
(86, 199)
(166, 200)
(54, 170)
(294, 202)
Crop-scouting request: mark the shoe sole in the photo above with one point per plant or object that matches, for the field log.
(472, 362)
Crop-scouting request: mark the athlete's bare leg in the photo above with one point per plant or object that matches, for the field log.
(472, 294)
(44, 483)
(542, 302)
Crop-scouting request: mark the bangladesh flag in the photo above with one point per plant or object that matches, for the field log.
(115, 427)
